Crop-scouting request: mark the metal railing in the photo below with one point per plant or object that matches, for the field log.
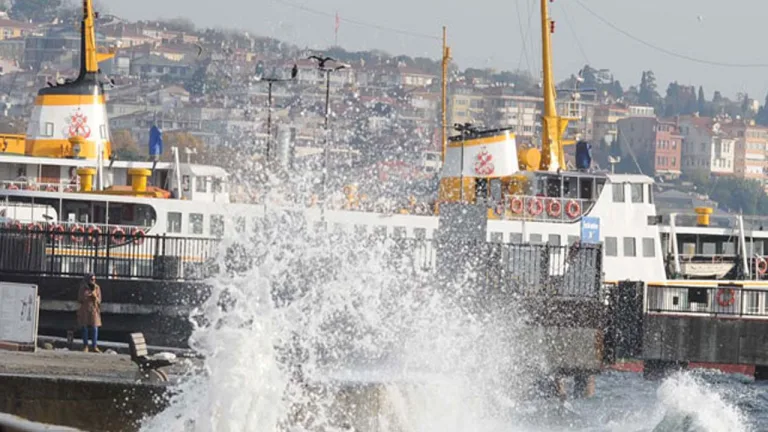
(29, 185)
(723, 300)
(131, 256)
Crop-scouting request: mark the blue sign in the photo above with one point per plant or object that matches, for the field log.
(590, 229)
(155, 141)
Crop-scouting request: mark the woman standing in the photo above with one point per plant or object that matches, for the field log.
(89, 313)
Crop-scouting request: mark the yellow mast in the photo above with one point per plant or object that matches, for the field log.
(446, 61)
(89, 62)
(552, 126)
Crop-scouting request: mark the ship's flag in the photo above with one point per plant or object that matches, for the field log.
(155, 141)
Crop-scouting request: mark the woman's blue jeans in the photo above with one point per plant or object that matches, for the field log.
(95, 331)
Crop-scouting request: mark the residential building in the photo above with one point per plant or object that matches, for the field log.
(656, 144)
(751, 147)
(504, 108)
(605, 127)
(582, 109)
(405, 76)
(466, 105)
(707, 149)
(641, 111)
(10, 29)
(155, 66)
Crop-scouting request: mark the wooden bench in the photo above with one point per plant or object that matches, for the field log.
(149, 368)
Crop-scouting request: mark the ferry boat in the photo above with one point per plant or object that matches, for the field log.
(63, 177)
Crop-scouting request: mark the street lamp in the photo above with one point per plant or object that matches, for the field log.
(270, 81)
(321, 64)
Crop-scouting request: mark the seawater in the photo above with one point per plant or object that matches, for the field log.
(319, 331)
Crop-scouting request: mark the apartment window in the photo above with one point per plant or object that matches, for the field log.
(196, 223)
(637, 192)
(630, 248)
(618, 192)
(554, 240)
(217, 225)
(649, 247)
(611, 247)
(174, 222)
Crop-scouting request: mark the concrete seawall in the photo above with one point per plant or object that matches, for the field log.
(82, 403)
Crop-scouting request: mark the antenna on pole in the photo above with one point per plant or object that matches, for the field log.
(446, 61)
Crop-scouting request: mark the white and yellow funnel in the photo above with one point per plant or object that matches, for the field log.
(73, 109)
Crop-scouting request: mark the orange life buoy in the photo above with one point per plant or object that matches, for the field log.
(535, 207)
(730, 300)
(138, 236)
(57, 232)
(77, 234)
(93, 233)
(762, 265)
(118, 235)
(50, 188)
(33, 187)
(554, 208)
(516, 205)
(69, 189)
(15, 225)
(12, 186)
(573, 209)
(34, 227)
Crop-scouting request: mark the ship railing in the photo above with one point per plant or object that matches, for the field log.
(70, 232)
(33, 186)
(724, 300)
(544, 209)
(160, 257)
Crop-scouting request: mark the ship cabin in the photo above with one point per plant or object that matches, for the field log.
(151, 197)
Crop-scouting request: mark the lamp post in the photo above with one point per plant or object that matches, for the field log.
(270, 81)
(321, 64)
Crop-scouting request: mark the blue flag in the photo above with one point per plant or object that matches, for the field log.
(155, 141)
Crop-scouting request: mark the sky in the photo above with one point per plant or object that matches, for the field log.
(487, 33)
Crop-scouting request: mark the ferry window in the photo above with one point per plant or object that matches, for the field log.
(516, 238)
(420, 233)
(650, 194)
(585, 189)
(380, 231)
(217, 225)
(649, 247)
(570, 187)
(618, 192)
(196, 223)
(535, 238)
(637, 192)
(185, 183)
(497, 237)
(201, 184)
(599, 183)
(553, 187)
(611, 247)
(217, 186)
(399, 232)
(554, 240)
(574, 239)
(630, 248)
(174, 222)
(240, 224)
(47, 130)
(360, 230)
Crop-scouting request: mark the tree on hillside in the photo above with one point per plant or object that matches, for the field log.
(647, 93)
(734, 194)
(762, 115)
(35, 10)
(125, 147)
